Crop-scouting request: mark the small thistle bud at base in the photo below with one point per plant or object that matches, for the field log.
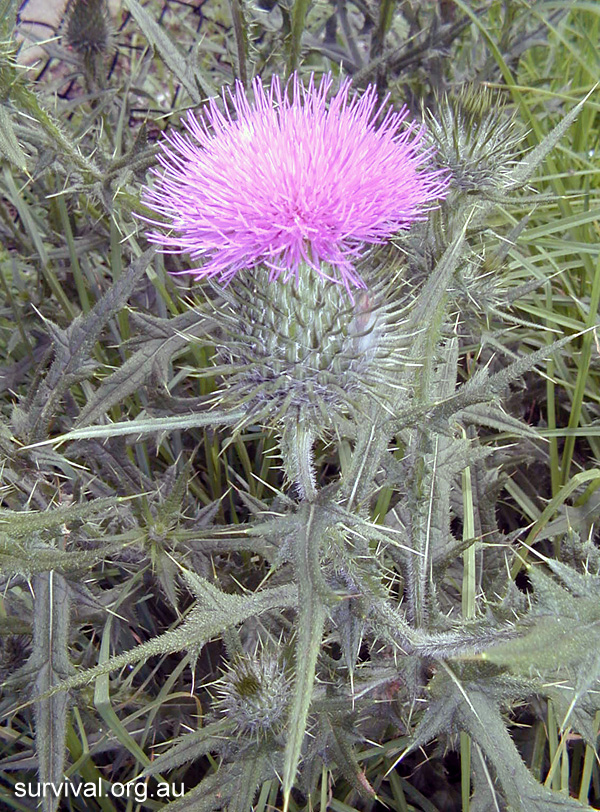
(253, 693)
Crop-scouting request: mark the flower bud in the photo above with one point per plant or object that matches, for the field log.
(253, 692)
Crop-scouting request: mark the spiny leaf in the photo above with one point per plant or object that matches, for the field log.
(527, 165)
(209, 739)
(210, 794)
(309, 631)
(346, 760)
(481, 388)
(564, 633)
(9, 145)
(463, 638)
(182, 69)
(63, 146)
(247, 781)
(471, 704)
(200, 627)
(49, 660)
(73, 346)
(142, 426)
(17, 558)
(493, 417)
(433, 292)
(575, 710)
(18, 523)
(165, 338)
(217, 790)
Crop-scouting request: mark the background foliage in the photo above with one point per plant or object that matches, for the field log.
(168, 556)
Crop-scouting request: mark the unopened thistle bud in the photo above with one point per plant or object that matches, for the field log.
(304, 351)
(475, 139)
(87, 28)
(254, 692)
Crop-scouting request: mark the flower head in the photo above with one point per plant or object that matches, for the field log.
(290, 180)
(254, 693)
(475, 140)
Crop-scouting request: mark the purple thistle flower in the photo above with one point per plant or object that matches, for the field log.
(290, 181)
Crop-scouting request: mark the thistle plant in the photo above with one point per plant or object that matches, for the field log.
(277, 202)
(282, 201)
(348, 597)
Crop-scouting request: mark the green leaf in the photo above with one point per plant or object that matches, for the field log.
(162, 338)
(210, 794)
(551, 509)
(73, 347)
(170, 53)
(218, 790)
(17, 558)
(345, 758)
(26, 101)
(310, 622)
(201, 625)
(148, 426)
(18, 523)
(527, 166)
(563, 636)
(104, 706)
(493, 417)
(472, 704)
(9, 145)
(8, 13)
(247, 781)
(190, 747)
(425, 315)
(50, 663)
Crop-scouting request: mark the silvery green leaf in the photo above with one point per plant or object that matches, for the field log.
(527, 165)
(17, 558)
(493, 417)
(208, 739)
(169, 51)
(471, 703)
(309, 631)
(9, 145)
(19, 523)
(218, 789)
(201, 625)
(49, 660)
(73, 348)
(563, 632)
(253, 768)
(148, 425)
(161, 339)
(345, 758)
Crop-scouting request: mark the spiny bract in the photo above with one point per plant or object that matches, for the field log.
(305, 352)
